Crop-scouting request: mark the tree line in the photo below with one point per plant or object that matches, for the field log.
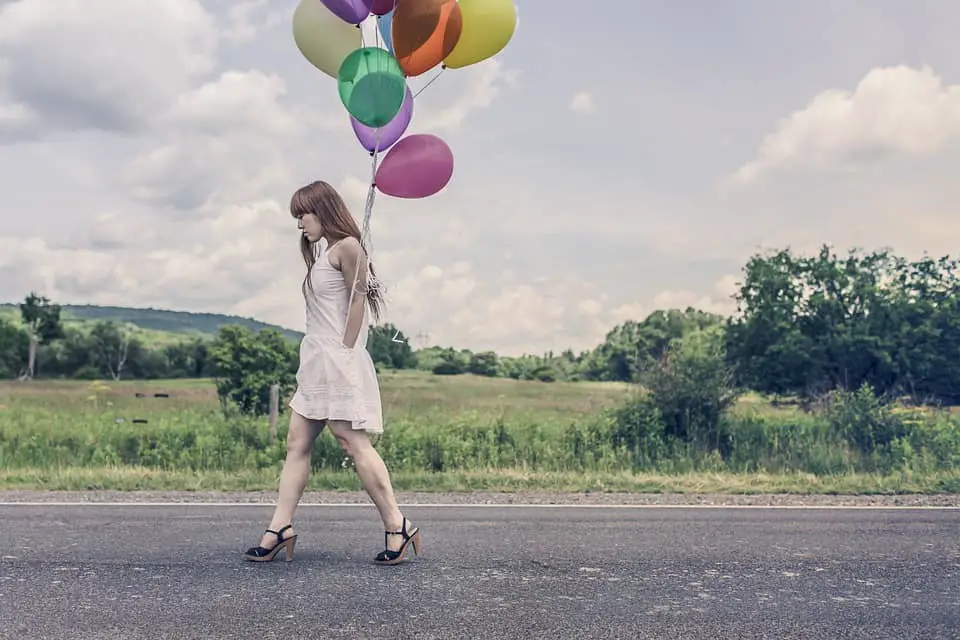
(804, 325)
(44, 345)
(807, 325)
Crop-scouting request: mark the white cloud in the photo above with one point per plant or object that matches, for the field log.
(237, 102)
(16, 117)
(465, 307)
(110, 66)
(892, 110)
(469, 89)
(224, 261)
(231, 138)
(583, 103)
(246, 19)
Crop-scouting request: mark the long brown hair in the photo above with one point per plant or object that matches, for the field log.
(322, 200)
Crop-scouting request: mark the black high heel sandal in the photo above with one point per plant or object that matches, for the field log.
(262, 554)
(390, 557)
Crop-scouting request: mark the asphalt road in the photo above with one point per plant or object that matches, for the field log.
(96, 571)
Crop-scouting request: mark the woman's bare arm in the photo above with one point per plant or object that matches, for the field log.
(353, 266)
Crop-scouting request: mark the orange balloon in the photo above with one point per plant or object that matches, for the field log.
(424, 33)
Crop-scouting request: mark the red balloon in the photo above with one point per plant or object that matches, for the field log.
(382, 7)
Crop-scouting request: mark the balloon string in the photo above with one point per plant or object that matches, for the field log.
(368, 207)
(372, 191)
(434, 79)
(365, 235)
(372, 281)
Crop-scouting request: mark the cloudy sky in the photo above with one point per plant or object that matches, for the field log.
(611, 161)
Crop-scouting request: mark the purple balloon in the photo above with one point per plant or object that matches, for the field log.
(382, 7)
(390, 132)
(416, 167)
(351, 11)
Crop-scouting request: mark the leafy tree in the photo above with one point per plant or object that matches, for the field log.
(513, 368)
(620, 356)
(187, 359)
(486, 363)
(248, 364)
(390, 348)
(527, 367)
(42, 319)
(429, 357)
(111, 347)
(809, 325)
(661, 328)
(634, 346)
(569, 365)
(14, 349)
(451, 363)
(926, 300)
(69, 354)
(544, 373)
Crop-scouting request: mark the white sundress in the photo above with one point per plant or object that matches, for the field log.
(335, 382)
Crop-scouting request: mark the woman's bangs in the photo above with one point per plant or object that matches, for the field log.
(298, 206)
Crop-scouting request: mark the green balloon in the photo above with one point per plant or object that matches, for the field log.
(372, 86)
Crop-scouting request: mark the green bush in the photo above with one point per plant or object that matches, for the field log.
(248, 364)
(866, 421)
(691, 389)
(849, 432)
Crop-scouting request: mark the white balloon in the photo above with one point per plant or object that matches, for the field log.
(323, 38)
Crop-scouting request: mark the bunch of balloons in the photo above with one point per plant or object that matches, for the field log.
(418, 35)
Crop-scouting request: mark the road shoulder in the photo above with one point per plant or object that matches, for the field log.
(486, 498)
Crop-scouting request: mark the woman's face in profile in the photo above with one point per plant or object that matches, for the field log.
(309, 225)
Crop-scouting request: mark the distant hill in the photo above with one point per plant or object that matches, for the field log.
(181, 323)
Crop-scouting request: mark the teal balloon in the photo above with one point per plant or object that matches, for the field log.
(372, 86)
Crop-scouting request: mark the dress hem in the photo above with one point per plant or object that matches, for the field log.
(357, 424)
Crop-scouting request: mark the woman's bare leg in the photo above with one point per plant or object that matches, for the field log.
(373, 476)
(296, 471)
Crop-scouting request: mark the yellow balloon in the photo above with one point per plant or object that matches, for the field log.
(323, 38)
(488, 26)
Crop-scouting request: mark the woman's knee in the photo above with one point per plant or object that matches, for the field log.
(352, 442)
(302, 434)
(298, 444)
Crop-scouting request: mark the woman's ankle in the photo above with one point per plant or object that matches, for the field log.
(286, 529)
(395, 523)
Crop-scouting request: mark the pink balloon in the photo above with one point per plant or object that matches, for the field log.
(417, 166)
(382, 7)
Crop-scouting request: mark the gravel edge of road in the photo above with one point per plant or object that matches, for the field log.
(487, 498)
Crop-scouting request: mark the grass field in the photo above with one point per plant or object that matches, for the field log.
(442, 434)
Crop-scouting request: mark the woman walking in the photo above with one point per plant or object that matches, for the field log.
(336, 383)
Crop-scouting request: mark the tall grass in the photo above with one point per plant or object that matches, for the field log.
(432, 424)
(463, 427)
